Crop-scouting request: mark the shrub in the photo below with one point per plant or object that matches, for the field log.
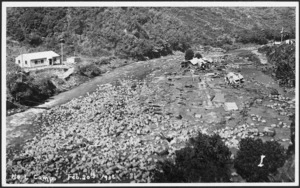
(204, 159)
(90, 70)
(249, 156)
(189, 54)
(198, 55)
(45, 87)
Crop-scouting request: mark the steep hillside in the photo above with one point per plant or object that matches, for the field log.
(139, 32)
(207, 24)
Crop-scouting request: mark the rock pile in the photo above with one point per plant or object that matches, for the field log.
(115, 132)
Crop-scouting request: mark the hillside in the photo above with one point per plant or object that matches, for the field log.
(208, 24)
(140, 32)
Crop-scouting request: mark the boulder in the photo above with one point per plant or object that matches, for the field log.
(229, 106)
(269, 131)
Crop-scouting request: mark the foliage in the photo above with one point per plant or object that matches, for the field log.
(31, 91)
(250, 56)
(137, 33)
(140, 32)
(198, 55)
(286, 173)
(25, 89)
(44, 87)
(204, 159)
(255, 35)
(189, 54)
(291, 148)
(283, 59)
(89, 69)
(249, 156)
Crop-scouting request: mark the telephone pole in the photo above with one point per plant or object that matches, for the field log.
(62, 41)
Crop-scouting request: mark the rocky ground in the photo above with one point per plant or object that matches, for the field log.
(120, 131)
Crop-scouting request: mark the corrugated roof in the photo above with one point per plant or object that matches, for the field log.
(38, 55)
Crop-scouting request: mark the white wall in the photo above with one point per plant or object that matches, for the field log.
(39, 63)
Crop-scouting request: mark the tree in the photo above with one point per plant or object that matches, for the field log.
(250, 156)
(204, 159)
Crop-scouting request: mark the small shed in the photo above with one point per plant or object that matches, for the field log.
(73, 59)
(38, 59)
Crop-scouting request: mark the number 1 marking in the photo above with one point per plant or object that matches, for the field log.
(261, 160)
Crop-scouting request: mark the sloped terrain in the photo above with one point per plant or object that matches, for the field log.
(119, 132)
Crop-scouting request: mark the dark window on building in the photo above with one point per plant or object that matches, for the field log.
(54, 59)
(42, 61)
(36, 62)
(19, 61)
(25, 62)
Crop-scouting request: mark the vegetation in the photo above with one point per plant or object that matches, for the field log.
(145, 32)
(250, 57)
(198, 55)
(189, 54)
(249, 157)
(205, 159)
(282, 59)
(27, 90)
(138, 33)
(89, 69)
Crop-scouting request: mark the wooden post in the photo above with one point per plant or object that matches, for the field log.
(281, 33)
(62, 52)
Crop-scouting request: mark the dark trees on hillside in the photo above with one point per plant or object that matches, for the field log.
(136, 33)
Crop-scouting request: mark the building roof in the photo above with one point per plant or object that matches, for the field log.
(39, 55)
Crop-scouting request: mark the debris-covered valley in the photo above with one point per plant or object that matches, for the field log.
(120, 132)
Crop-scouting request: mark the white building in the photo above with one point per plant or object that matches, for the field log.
(38, 59)
(73, 59)
(289, 41)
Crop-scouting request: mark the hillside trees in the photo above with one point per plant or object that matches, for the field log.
(283, 60)
(137, 33)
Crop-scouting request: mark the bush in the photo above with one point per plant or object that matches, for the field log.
(198, 55)
(45, 87)
(90, 70)
(249, 156)
(189, 54)
(204, 159)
